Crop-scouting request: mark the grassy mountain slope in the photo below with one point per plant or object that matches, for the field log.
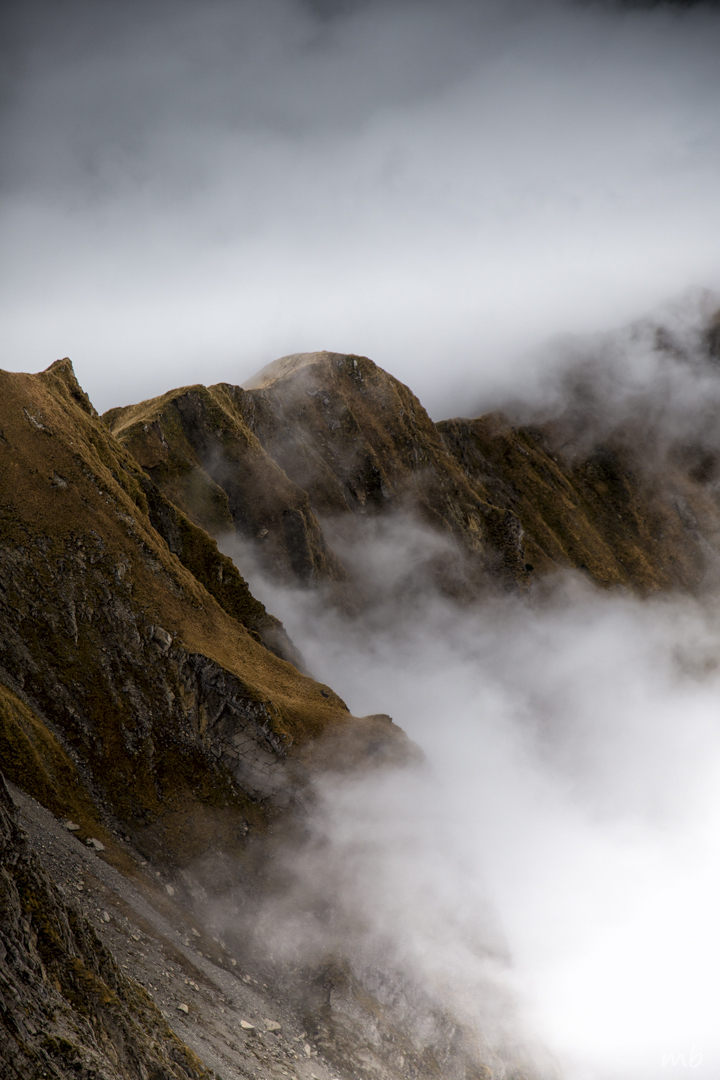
(169, 707)
(196, 446)
(599, 512)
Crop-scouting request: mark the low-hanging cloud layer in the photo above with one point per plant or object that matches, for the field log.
(551, 874)
(191, 190)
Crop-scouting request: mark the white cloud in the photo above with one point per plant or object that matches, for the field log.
(567, 816)
(194, 193)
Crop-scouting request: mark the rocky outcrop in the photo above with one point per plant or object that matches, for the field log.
(602, 512)
(359, 442)
(195, 445)
(66, 1009)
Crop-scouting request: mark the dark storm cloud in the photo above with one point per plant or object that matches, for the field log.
(191, 189)
(101, 77)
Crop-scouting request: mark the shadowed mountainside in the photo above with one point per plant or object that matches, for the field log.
(163, 704)
(65, 1006)
(514, 502)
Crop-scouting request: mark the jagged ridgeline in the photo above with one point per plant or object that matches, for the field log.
(142, 682)
(322, 438)
(318, 444)
(140, 674)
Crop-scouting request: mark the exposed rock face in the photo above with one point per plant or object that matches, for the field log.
(196, 446)
(160, 702)
(359, 441)
(599, 512)
(66, 1009)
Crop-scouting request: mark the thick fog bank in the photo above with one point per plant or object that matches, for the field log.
(659, 374)
(560, 848)
(192, 189)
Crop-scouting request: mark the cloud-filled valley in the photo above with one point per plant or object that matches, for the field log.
(551, 872)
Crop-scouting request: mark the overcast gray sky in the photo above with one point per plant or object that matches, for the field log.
(191, 189)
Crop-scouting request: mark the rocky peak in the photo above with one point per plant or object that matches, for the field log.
(360, 442)
(196, 446)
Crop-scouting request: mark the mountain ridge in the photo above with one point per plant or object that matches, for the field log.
(150, 700)
(515, 501)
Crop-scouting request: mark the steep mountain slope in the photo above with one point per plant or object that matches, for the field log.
(601, 512)
(167, 706)
(195, 445)
(342, 430)
(242, 1018)
(65, 1006)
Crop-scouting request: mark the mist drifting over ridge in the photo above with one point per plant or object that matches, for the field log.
(550, 874)
(192, 190)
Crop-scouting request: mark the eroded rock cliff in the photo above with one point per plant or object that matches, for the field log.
(162, 697)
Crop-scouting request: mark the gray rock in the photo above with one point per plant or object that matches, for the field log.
(163, 639)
